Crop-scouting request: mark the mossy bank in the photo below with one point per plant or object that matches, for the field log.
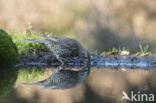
(8, 50)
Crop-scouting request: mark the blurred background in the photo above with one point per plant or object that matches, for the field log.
(98, 25)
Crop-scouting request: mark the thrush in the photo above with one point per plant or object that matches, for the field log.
(63, 47)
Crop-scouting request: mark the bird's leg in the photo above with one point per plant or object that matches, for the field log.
(62, 63)
(59, 59)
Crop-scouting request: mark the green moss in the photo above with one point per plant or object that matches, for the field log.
(8, 51)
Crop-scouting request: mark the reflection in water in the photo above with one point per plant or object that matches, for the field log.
(8, 78)
(102, 86)
(64, 79)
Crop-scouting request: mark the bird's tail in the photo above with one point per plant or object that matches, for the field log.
(54, 39)
(31, 83)
(34, 41)
(35, 83)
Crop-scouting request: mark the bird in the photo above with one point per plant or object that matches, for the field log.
(65, 79)
(63, 47)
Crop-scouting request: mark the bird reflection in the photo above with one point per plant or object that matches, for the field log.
(64, 79)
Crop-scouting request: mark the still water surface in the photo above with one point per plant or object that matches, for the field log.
(104, 85)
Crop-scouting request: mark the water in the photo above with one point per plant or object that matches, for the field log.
(102, 85)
